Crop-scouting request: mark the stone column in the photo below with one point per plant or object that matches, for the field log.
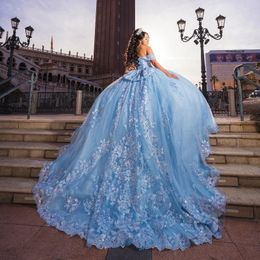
(78, 102)
(34, 102)
(231, 102)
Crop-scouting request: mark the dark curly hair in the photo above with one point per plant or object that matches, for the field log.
(131, 58)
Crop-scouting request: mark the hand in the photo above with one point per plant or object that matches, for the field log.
(171, 75)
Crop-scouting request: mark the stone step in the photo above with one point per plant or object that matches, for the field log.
(235, 155)
(71, 122)
(35, 135)
(241, 202)
(21, 167)
(222, 155)
(237, 126)
(235, 139)
(45, 123)
(30, 149)
(243, 175)
(231, 175)
(41, 135)
(16, 190)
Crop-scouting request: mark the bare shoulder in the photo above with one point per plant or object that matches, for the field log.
(149, 50)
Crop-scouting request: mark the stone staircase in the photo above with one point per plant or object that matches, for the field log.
(26, 145)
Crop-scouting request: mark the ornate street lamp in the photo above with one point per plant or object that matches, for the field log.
(202, 36)
(13, 42)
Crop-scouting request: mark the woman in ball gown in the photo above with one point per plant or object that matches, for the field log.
(135, 172)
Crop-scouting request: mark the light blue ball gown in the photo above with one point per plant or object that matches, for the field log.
(135, 171)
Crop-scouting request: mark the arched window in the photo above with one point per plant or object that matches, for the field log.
(1, 57)
(50, 77)
(22, 66)
(72, 67)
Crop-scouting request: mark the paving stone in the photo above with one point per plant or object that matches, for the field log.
(243, 231)
(128, 253)
(15, 236)
(50, 244)
(215, 251)
(249, 252)
(19, 215)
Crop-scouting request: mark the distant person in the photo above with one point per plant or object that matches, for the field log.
(220, 58)
(249, 57)
(229, 58)
(239, 57)
(135, 172)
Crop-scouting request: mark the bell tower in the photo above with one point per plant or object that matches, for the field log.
(115, 22)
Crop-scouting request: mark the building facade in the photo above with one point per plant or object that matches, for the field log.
(221, 64)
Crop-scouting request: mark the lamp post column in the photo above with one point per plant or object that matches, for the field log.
(203, 69)
(10, 67)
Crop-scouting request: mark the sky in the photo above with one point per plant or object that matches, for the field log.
(72, 25)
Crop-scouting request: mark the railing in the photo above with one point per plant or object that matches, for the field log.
(218, 102)
(239, 78)
(58, 53)
(20, 79)
(49, 102)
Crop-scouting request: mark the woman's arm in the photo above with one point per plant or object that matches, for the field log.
(157, 65)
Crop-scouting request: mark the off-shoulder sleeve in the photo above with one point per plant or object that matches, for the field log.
(151, 56)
